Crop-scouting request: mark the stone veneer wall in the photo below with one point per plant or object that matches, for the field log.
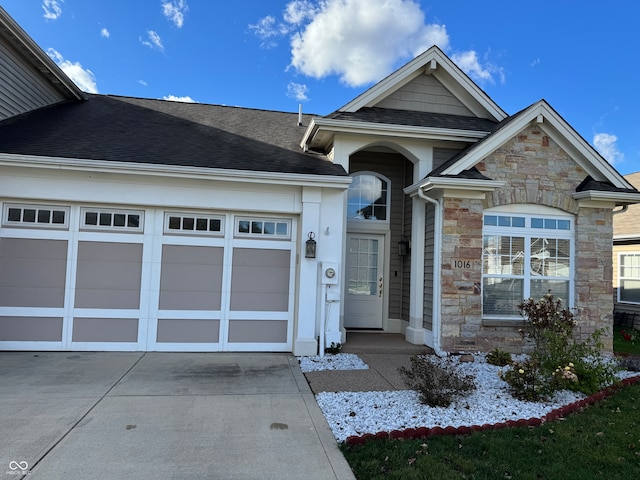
(536, 171)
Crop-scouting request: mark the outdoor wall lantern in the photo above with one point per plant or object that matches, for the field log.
(403, 246)
(310, 250)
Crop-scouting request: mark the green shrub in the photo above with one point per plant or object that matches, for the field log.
(498, 357)
(438, 381)
(558, 361)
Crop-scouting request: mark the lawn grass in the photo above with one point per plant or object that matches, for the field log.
(603, 441)
(620, 345)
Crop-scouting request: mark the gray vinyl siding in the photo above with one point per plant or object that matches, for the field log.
(397, 169)
(441, 155)
(22, 88)
(425, 94)
(427, 312)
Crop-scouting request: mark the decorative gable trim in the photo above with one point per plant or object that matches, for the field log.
(547, 119)
(432, 62)
(34, 55)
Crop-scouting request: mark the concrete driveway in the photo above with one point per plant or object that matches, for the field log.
(70, 415)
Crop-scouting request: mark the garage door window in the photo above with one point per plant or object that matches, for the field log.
(35, 216)
(190, 224)
(114, 220)
(263, 228)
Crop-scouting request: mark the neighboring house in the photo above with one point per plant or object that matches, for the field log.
(138, 224)
(626, 260)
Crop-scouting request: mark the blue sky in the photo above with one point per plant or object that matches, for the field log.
(581, 57)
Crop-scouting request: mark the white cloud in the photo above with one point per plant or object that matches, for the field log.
(82, 77)
(173, 98)
(298, 11)
(105, 33)
(481, 73)
(153, 41)
(143, 83)
(52, 9)
(174, 10)
(297, 91)
(605, 144)
(360, 41)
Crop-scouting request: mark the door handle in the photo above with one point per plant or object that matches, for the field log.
(380, 286)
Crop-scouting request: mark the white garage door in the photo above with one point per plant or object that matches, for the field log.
(119, 279)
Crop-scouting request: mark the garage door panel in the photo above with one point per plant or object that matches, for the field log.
(105, 329)
(260, 280)
(108, 275)
(188, 331)
(258, 331)
(191, 278)
(30, 329)
(189, 301)
(33, 272)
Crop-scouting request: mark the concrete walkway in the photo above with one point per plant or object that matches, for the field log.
(161, 415)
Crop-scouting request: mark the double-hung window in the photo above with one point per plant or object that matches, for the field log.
(525, 255)
(629, 278)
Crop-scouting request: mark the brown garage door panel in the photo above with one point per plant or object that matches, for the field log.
(33, 272)
(188, 331)
(105, 329)
(260, 280)
(258, 331)
(108, 275)
(191, 278)
(30, 329)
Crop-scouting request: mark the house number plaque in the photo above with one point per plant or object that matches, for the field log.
(462, 263)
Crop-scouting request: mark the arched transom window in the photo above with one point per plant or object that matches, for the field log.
(368, 197)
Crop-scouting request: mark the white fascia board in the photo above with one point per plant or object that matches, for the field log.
(387, 130)
(622, 238)
(202, 173)
(389, 84)
(439, 184)
(39, 57)
(619, 198)
(422, 65)
(561, 132)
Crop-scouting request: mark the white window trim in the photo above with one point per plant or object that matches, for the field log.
(37, 207)
(528, 232)
(621, 278)
(111, 228)
(195, 216)
(264, 236)
(365, 221)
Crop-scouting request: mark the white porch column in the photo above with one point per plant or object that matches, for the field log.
(305, 342)
(415, 331)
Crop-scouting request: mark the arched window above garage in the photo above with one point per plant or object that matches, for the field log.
(368, 197)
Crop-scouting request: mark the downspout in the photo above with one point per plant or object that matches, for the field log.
(437, 262)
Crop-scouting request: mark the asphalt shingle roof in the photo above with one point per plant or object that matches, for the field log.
(161, 132)
(417, 119)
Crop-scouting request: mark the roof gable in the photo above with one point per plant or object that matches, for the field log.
(547, 119)
(445, 81)
(29, 79)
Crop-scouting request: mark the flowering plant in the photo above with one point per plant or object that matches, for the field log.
(630, 336)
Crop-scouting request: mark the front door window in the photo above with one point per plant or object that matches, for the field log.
(368, 198)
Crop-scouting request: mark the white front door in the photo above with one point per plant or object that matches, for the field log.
(365, 281)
